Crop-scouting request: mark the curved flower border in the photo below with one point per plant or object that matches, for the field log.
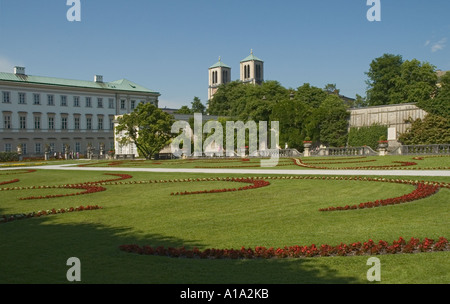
(401, 166)
(88, 187)
(255, 184)
(22, 216)
(423, 189)
(20, 171)
(370, 247)
(9, 182)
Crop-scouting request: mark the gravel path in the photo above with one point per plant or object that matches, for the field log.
(72, 167)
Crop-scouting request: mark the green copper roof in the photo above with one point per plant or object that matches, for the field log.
(251, 57)
(119, 85)
(219, 64)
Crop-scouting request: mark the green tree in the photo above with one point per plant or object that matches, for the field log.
(394, 81)
(416, 83)
(382, 72)
(332, 121)
(184, 110)
(310, 95)
(433, 129)
(331, 89)
(440, 104)
(197, 106)
(292, 116)
(229, 100)
(359, 102)
(148, 127)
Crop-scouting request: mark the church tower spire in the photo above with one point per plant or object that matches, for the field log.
(219, 74)
(252, 69)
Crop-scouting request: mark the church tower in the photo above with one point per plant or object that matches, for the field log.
(252, 70)
(219, 73)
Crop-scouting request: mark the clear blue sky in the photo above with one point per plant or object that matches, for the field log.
(168, 45)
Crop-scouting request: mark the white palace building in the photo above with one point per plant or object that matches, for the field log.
(38, 112)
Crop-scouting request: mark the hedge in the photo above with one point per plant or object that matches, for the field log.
(366, 136)
(8, 156)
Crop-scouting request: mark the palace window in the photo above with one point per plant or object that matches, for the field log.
(88, 102)
(6, 97)
(77, 123)
(100, 123)
(36, 99)
(63, 123)
(50, 100)
(122, 104)
(63, 101)
(7, 121)
(22, 98)
(89, 123)
(111, 103)
(99, 102)
(24, 149)
(8, 148)
(37, 122)
(37, 148)
(51, 123)
(22, 122)
(76, 101)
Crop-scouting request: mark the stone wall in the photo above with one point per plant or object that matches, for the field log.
(393, 116)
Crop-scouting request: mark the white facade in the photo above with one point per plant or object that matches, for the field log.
(39, 111)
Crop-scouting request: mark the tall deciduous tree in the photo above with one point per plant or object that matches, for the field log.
(332, 117)
(310, 95)
(197, 106)
(440, 104)
(148, 127)
(382, 73)
(184, 110)
(394, 81)
(292, 116)
(433, 129)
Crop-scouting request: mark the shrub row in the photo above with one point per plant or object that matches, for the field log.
(9, 156)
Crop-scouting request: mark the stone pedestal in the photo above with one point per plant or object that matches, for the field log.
(19, 152)
(382, 148)
(102, 150)
(307, 146)
(323, 151)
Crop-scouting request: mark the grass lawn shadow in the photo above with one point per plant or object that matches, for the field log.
(35, 251)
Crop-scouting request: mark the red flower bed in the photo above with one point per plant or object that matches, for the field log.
(9, 182)
(367, 248)
(21, 216)
(422, 191)
(88, 187)
(300, 163)
(22, 171)
(255, 184)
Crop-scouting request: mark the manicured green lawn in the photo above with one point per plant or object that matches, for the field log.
(350, 162)
(282, 214)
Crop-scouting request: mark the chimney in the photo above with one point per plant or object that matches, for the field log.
(19, 70)
(98, 78)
